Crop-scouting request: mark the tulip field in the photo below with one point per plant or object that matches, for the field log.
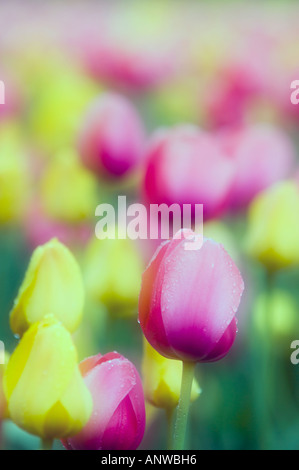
(149, 225)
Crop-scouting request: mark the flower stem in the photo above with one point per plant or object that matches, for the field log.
(169, 417)
(46, 444)
(183, 408)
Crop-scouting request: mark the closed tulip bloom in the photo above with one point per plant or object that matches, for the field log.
(273, 232)
(58, 198)
(162, 379)
(52, 285)
(277, 314)
(112, 137)
(107, 277)
(189, 299)
(184, 166)
(118, 418)
(14, 175)
(262, 155)
(43, 386)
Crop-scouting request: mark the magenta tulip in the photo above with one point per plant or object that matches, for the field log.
(112, 138)
(184, 166)
(262, 155)
(118, 418)
(189, 299)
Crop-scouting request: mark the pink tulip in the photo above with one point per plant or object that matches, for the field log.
(189, 299)
(237, 86)
(120, 65)
(184, 166)
(262, 155)
(112, 137)
(118, 418)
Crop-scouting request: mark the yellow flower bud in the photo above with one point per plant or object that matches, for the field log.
(52, 285)
(162, 379)
(274, 226)
(276, 313)
(43, 386)
(60, 97)
(112, 271)
(14, 179)
(68, 190)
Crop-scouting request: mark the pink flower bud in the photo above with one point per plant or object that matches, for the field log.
(189, 299)
(118, 418)
(184, 166)
(262, 155)
(112, 138)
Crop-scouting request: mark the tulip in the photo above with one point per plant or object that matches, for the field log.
(113, 54)
(189, 299)
(59, 200)
(112, 136)
(107, 277)
(162, 379)
(273, 231)
(237, 86)
(262, 155)
(184, 166)
(118, 418)
(14, 175)
(276, 313)
(61, 95)
(52, 285)
(43, 386)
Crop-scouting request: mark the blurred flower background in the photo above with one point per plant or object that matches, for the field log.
(164, 102)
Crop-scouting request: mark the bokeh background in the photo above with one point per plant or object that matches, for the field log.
(219, 65)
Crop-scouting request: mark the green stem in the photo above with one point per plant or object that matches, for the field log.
(46, 444)
(183, 408)
(169, 417)
(263, 368)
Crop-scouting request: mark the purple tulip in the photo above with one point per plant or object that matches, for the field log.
(189, 299)
(118, 418)
(184, 165)
(112, 138)
(262, 155)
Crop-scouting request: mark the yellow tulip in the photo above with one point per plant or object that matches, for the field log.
(61, 96)
(112, 271)
(276, 313)
(68, 190)
(162, 379)
(44, 389)
(273, 235)
(14, 179)
(52, 284)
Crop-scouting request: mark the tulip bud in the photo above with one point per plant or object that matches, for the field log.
(62, 94)
(52, 285)
(262, 156)
(113, 270)
(162, 379)
(118, 418)
(276, 313)
(14, 176)
(58, 197)
(112, 137)
(189, 299)
(42, 383)
(273, 232)
(184, 166)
